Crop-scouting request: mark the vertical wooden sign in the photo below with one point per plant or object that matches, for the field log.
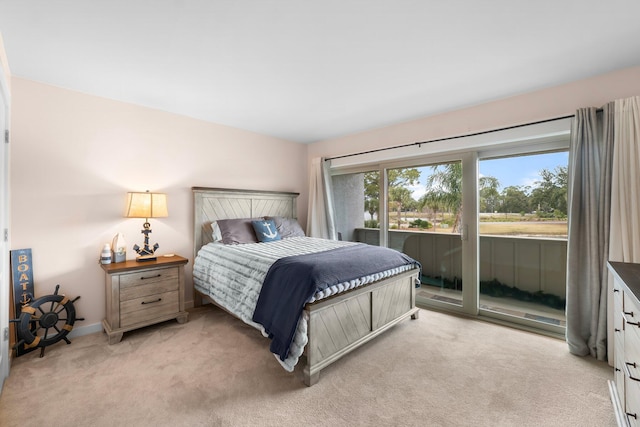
(22, 287)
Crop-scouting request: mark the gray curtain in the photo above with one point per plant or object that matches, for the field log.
(590, 165)
(321, 215)
(625, 185)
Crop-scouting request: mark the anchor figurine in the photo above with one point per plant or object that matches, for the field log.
(146, 253)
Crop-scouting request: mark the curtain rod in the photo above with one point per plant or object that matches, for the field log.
(454, 137)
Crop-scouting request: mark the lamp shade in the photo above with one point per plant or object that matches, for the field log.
(146, 205)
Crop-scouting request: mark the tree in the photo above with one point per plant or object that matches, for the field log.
(371, 205)
(515, 199)
(549, 197)
(398, 180)
(371, 192)
(426, 202)
(444, 187)
(489, 196)
(399, 197)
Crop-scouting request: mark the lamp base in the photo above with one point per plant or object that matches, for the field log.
(146, 258)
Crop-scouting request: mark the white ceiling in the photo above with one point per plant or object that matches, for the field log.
(315, 69)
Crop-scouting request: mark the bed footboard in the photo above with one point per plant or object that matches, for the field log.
(342, 323)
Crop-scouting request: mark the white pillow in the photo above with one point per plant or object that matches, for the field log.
(211, 233)
(216, 234)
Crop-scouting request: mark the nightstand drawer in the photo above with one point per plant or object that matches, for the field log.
(148, 307)
(139, 284)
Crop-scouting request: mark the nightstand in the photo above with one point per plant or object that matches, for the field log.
(143, 293)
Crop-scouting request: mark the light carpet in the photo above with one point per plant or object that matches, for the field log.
(438, 370)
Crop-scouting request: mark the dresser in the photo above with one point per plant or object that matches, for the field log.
(625, 387)
(143, 293)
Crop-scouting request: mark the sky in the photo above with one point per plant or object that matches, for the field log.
(517, 171)
(523, 170)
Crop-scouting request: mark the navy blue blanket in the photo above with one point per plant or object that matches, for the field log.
(292, 281)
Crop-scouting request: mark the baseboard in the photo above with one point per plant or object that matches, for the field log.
(79, 331)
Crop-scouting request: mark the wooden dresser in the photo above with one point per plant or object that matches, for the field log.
(143, 293)
(625, 388)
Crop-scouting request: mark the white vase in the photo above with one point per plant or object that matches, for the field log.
(119, 248)
(105, 255)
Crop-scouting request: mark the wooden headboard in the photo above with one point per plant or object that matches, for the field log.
(212, 204)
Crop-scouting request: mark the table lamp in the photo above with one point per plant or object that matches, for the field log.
(146, 205)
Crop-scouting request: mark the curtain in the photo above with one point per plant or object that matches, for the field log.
(589, 188)
(604, 201)
(321, 216)
(624, 240)
(625, 199)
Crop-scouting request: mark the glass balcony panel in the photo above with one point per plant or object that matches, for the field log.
(427, 201)
(523, 237)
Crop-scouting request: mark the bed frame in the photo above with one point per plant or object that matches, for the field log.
(336, 325)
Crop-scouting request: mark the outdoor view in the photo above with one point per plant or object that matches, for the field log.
(522, 226)
(513, 200)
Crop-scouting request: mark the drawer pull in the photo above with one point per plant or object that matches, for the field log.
(635, 416)
(150, 277)
(634, 323)
(151, 302)
(629, 313)
(616, 290)
(633, 365)
(617, 330)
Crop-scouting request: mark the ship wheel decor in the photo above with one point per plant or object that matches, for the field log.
(46, 321)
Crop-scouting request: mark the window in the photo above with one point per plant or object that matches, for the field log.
(488, 224)
(523, 236)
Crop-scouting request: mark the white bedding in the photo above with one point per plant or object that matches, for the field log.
(232, 275)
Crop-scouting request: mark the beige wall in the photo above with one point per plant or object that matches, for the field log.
(540, 105)
(75, 156)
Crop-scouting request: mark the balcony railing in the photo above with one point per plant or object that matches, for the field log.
(527, 263)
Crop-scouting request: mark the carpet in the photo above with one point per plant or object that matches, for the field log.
(438, 370)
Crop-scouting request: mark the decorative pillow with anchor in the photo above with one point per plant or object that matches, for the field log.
(266, 230)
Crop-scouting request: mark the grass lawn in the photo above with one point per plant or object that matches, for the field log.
(497, 225)
(542, 228)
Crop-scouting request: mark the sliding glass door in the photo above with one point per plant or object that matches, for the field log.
(523, 238)
(489, 227)
(424, 220)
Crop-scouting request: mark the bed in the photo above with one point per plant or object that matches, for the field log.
(334, 320)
